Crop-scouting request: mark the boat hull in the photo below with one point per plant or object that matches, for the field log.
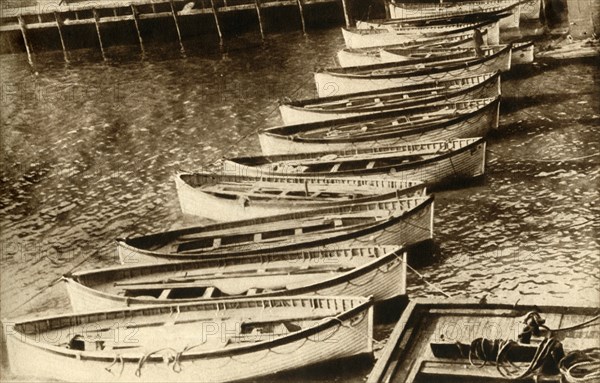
(292, 115)
(195, 201)
(407, 11)
(349, 336)
(492, 30)
(333, 84)
(413, 226)
(465, 160)
(383, 279)
(478, 125)
(369, 38)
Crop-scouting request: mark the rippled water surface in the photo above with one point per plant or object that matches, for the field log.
(89, 150)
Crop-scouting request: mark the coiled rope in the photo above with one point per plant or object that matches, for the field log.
(579, 366)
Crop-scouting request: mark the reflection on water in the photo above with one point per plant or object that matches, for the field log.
(88, 152)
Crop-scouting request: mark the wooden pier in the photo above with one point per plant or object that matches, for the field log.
(54, 18)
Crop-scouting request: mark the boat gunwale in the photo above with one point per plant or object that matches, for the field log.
(317, 180)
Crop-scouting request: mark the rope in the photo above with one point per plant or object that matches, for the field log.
(177, 363)
(581, 366)
(120, 359)
(427, 282)
(577, 326)
(548, 349)
(369, 338)
(143, 359)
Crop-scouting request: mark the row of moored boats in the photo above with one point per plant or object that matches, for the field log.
(312, 232)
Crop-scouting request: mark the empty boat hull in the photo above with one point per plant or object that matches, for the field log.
(413, 225)
(367, 38)
(296, 115)
(492, 30)
(383, 278)
(337, 82)
(197, 202)
(477, 124)
(338, 336)
(413, 10)
(522, 53)
(465, 160)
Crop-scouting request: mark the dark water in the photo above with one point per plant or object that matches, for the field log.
(88, 152)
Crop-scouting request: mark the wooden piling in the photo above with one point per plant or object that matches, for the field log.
(388, 13)
(176, 25)
(301, 9)
(97, 22)
(260, 24)
(214, 10)
(24, 33)
(346, 9)
(60, 34)
(137, 27)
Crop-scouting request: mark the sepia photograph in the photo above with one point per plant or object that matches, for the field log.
(300, 191)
